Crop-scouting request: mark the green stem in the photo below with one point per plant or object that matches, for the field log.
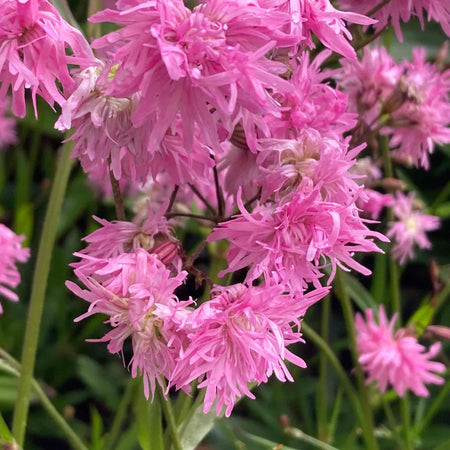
(391, 420)
(38, 289)
(322, 425)
(349, 318)
(406, 421)
(13, 368)
(434, 407)
(301, 436)
(170, 419)
(120, 416)
(340, 372)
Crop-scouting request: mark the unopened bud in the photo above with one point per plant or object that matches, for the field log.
(442, 56)
(284, 421)
(393, 184)
(238, 138)
(166, 251)
(438, 331)
(397, 98)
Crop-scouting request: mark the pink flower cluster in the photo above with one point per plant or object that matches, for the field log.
(415, 95)
(33, 42)
(395, 358)
(11, 253)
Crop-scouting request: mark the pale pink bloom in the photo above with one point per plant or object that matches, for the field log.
(396, 11)
(410, 227)
(8, 134)
(322, 161)
(11, 253)
(423, 119)
(373, 202)
(312, 104)
(368, 172)
(369, 81)
(203, 65)
(293, 241)
(240, 337)
(319, 17)
(136, 291)
(33, 42)
(395, 357)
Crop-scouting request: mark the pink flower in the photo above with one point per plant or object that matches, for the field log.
(293, 241)
(209, 63)
(312, 104)
(369, 81)
(7, 126)
(373, 202)
(395, 11)
(395, 358)
(136, 291)
(33, 41)
(423, 119)
(239, 337)
(106, 139)
(322, 19)
(10, 254)
(321, 161)
(410, 227)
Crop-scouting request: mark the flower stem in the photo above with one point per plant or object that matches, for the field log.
(322, 425)
(406, 421)
(170, 419)
(340, 372)
(120, 416)
(434, 407)
(350, 325)
(38, 289)
(13, 368)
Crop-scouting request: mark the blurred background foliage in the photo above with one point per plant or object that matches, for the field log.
(86, 383)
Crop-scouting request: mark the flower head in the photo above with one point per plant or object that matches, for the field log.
(33, 42)
(410, 227)
(10, 254)
(395, 358)
(238, 337)
(295, 240)
(136, 291)
(209, 62)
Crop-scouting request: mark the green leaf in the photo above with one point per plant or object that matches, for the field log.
(96, 430)
(196, 427)
(443, 210)
(5, 434)
(422, 317)
(358, 293)
(23, 221)
(149, 429)
(96, 377)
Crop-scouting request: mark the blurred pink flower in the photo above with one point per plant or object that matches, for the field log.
(33, 41)
(239, 337)
(395, 11)
(136, 291)
(423, 119)
(395, 358)
(11, 252)
(410, 227)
